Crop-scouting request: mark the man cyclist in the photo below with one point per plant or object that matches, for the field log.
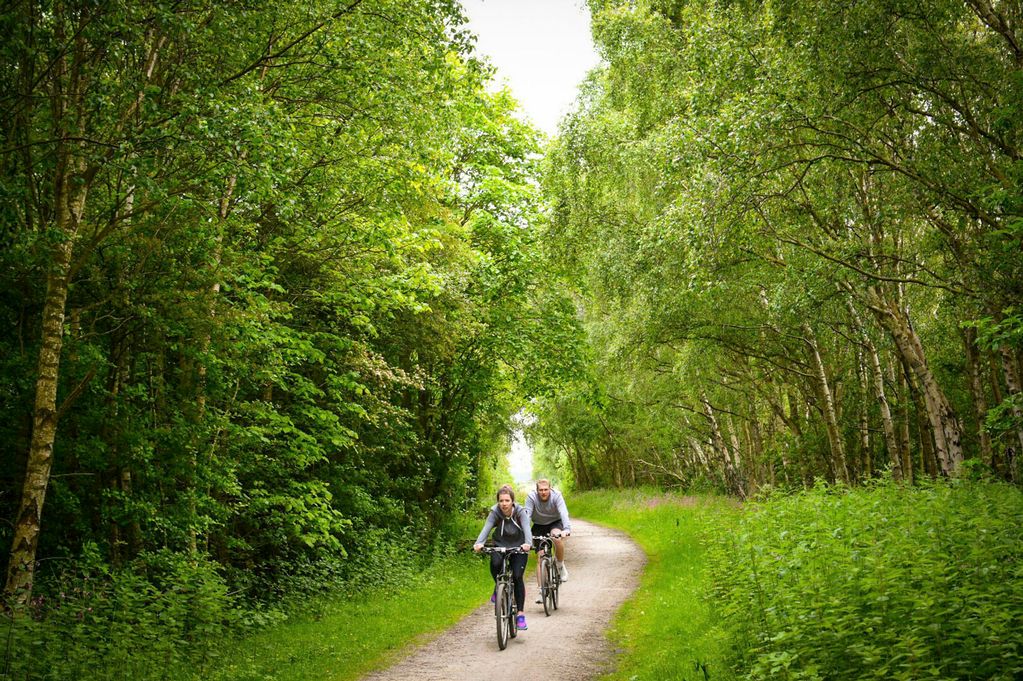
(546, 507)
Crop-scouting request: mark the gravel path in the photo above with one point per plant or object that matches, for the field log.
(604, 567)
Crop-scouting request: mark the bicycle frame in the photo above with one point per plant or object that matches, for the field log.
(504, 589)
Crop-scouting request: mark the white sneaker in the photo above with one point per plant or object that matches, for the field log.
(564, 572)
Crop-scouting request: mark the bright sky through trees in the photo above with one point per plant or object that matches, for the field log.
(520, 458)
(542, 48)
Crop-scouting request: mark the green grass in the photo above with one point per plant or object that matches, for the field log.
(669, 630)
(344, 638)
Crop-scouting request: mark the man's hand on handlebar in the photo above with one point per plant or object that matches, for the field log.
(477, 547)
(525, 547)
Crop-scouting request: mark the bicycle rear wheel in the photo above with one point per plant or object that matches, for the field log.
(501, 615)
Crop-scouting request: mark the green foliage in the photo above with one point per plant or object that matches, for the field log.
(167, 617)
(994, 333)
(164, 610)
(882, 582)
(307, 293)
(748, 191)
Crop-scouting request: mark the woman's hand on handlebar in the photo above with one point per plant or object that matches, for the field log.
(525, 547)
(477, 547)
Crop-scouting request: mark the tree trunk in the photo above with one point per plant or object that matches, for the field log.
(610, 454)
(703, 462)
(795, 419)
(70, 203)
(1013, 387)
(977, 391)
(905, 447)
(21, 565)
(887, 422)
(756, 450)
(698, 451)
(877, 379)
(778, 408)
(737, 458)
(110, 435)
(995, 376)
(70, 189)
(866, 461)
(924, 433)
(944, 424)
(579, 469)
(823, 389)
(728, 472)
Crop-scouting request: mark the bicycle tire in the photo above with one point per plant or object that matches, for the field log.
(555, 584)
(501, 615)
(512, 626)
(546, 586)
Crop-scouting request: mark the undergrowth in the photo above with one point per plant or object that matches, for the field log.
(881, 582)
(171, 616)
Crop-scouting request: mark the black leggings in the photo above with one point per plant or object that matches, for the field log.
(518, 566)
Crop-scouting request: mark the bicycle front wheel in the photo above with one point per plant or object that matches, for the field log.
(512, 627)
(555, 578)
(546, 585)
(501, 615)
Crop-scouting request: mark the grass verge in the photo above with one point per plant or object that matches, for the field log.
(669, 629)
(344, 638)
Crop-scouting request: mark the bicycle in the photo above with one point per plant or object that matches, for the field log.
(504, 591)
(550, 576)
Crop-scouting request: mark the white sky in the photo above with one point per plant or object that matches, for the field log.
(520, 456)
(520, 459)
(541, 48)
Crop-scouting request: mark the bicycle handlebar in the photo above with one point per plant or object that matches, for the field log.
(502, 549)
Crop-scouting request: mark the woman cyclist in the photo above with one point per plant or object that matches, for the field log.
(510, 524)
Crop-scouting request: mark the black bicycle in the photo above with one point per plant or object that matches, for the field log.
(504, 592)
(550, 576)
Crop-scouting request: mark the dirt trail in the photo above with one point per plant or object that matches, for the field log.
(604, 567)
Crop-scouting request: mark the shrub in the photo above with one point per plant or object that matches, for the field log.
(886, 582)
(164, 610)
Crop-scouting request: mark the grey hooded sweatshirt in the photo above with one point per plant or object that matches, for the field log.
(551, 511)
(509, 532)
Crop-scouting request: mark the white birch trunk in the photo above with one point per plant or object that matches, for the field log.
(827, 405)
(944, 424)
